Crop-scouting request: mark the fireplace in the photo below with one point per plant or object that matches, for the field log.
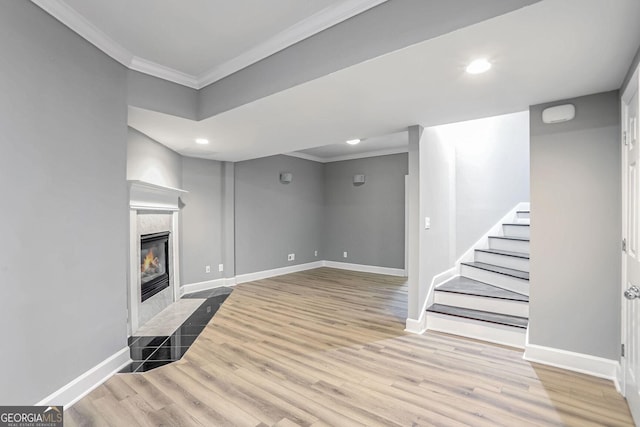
(154, 264)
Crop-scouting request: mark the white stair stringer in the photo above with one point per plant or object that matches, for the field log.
(509, 283)
(476, 302)
(477, 329)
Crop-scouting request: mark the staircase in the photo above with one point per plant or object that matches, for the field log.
(489, 300)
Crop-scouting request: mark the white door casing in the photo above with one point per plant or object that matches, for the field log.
(631, 259)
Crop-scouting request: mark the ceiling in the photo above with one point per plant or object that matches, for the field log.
(197, 42)
(551, 50)
(397, 142)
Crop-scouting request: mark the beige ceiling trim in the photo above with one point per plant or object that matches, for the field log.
(306, 28)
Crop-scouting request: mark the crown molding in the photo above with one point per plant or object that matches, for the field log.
(78, 23)
(377, 153)
(306, 157)
(320, 21)
(306, 28)
(160, 71)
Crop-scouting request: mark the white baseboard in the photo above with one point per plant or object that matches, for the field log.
(206, 285)
(577, 362)
(416, 326)
(259, 275)
(87, 382)
(419, 326)
(265, 274)
(365, 268)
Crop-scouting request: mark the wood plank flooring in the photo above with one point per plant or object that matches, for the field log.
(327, 348)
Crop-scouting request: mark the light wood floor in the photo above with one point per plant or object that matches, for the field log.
(327, 348)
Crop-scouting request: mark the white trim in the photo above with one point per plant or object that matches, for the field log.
(306, 156)
(418, 326)
(145, 196)
(577, 362)
(81, 386)
(206, 285)
(365, 268)
(474, 302)
(377, 153)
(618, 381)
(258, 275)
(476, 329)
(166, 73)
(306, 28)
(265, 274)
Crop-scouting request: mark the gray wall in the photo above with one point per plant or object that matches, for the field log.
(150, 161)
(152, 93)
(390, 26)
(201, 220)
(576, 228)
(63, 261)
(366, 221)
(274, 219)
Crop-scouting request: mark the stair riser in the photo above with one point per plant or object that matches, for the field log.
(516, 231)
(522, 221)
(492, 305)
(500, 280)
(526, 215)
(509, 245)
(499, 334)
(521, 264)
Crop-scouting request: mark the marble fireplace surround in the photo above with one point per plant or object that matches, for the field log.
(146, 198)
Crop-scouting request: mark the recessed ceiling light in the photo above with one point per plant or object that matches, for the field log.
(353, 141)
(202, 141)
(479, 66)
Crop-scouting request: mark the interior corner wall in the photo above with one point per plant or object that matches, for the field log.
(201, 220)
(275, 219)
(150, 161)
(366, 221)
(63, 261)
(576, 228)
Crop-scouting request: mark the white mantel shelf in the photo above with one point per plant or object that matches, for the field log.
(147, 196)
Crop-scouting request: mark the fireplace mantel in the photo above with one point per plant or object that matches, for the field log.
(146, 196)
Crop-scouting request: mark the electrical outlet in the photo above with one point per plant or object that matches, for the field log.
(220, 267)
(344, 254)
(207, 269)
(315, 253)
(291, 257)
(427, 223)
